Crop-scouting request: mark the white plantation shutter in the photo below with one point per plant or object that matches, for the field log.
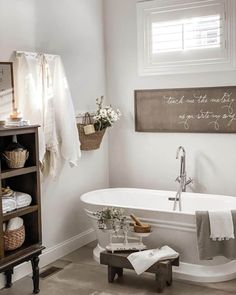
(194, 33)
(203, 32)
(167, 37)
(186, 36)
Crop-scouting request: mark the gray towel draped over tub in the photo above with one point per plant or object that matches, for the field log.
(207, 248)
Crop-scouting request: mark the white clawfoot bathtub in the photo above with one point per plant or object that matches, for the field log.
(173, 228)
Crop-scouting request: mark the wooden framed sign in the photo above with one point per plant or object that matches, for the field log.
(186, 110)
(6, 89)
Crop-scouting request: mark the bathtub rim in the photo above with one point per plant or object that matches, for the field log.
(84, 199)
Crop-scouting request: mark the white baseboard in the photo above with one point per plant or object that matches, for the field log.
(52, 254)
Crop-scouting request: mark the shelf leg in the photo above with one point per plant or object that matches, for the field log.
(35, 269)
(8, 274)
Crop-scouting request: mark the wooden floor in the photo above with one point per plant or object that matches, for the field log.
(81, 275)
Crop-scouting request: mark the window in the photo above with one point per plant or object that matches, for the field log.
(194, 33)
(186, 36)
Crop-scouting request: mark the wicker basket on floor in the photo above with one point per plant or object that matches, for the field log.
(16, 158)
(14, 239)
(91, 141)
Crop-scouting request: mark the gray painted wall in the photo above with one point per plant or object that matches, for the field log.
(148, 160)
(73, 29)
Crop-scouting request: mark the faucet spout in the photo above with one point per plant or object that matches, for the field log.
(180, 148)
(182, 175)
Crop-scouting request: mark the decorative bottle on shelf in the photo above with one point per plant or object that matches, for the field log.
(15, 154)
(14, 146)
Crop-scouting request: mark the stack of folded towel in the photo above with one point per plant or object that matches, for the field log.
(8, 205)
(22, 200)
(15, 201)
(8, 200)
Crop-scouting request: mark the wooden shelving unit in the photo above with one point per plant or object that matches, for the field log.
(20, 212)
(15, 172)
(26, 180)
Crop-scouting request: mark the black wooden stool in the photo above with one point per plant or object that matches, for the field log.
(117, 261)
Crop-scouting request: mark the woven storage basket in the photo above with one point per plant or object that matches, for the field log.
(15, 158)
(14, 239)
(91, 141)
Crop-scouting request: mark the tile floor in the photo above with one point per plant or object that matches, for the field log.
(81, 275)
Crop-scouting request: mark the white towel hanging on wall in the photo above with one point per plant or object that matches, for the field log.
(29, 91)
(44, 98)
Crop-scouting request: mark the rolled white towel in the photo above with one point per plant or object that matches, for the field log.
(221, 225)
(8, 205)
(22, 199)
(141, 261)
(15, 223)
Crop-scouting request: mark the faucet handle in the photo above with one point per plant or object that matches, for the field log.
(178, 179)
(190, 180)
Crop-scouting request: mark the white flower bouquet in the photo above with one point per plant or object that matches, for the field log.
(105, 116)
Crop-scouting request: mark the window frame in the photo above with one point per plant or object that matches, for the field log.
(223, 59)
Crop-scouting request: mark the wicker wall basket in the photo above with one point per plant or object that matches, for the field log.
(14, 239)
(91, 141)
(15, 158)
